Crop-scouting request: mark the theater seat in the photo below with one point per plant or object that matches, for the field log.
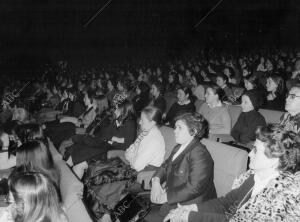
(71, 190)
(271, 116)
(229, 162)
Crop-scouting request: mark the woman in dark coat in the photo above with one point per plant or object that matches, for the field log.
(244, 129)
(183, 105)
(188, 173)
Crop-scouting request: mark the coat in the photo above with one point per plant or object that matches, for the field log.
(189, 178)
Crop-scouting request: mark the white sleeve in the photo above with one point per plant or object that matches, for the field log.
(147, 152)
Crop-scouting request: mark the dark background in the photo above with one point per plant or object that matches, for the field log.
(37, 31)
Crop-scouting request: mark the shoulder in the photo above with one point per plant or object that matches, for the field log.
(241, 179)
(198, 149)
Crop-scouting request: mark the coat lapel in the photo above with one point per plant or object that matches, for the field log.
(187, 149)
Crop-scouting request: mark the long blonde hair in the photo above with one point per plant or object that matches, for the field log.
(35, 198)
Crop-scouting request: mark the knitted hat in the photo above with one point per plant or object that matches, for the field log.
(255, 98)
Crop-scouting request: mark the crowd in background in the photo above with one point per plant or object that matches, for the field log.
(121, 108)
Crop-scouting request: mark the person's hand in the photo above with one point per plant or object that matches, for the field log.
(180, 214)
(156, 190)
(110, 142)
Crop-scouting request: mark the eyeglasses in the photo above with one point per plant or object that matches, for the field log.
(292, 96)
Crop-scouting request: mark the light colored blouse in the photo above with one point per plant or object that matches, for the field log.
(148, 149)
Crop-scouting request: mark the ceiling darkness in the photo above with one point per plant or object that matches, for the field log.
(143, 26)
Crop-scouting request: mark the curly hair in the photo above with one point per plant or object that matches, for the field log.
(196, 123)
(282, 144)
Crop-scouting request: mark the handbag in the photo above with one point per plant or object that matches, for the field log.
(131, 208)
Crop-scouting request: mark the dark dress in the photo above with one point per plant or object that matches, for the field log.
(87, 147)
(246, 125)
(177, 110)
(276, 104)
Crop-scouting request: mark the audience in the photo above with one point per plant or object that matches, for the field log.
(86, 100)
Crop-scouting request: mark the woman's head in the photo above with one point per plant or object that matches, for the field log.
(111, 84)
(102, 103)
(275, 148)
(34, 197)
(250, 101)
(124, 111)
(251, 82)
(30, 131)
(214, 94)
(35, 156)
(275, 84)
(184, 94)
(20, 114)
(189, 126)
(156, 89)
(142, 88)
(89, 98)
(150, 116)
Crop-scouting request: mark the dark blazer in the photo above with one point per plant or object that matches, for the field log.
(189, 178)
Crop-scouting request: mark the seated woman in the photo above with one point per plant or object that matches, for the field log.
(118, 135)
(149, 147)
(215, 112)
(33, 197)
(189, 171)
(197, 89)
(158, 100)
(269, 191)
(183, 105)
(141, 100)
(276, 93)
(244, 129)
(66, 127)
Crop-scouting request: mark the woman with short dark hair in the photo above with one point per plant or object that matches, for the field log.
(185, 104)
(188, 174)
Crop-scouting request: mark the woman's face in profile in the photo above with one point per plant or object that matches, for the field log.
(271, 85)
(182, 134)
(248, 85)
(259, 160)
(210, 96)
(181, 96)
(145, 123)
